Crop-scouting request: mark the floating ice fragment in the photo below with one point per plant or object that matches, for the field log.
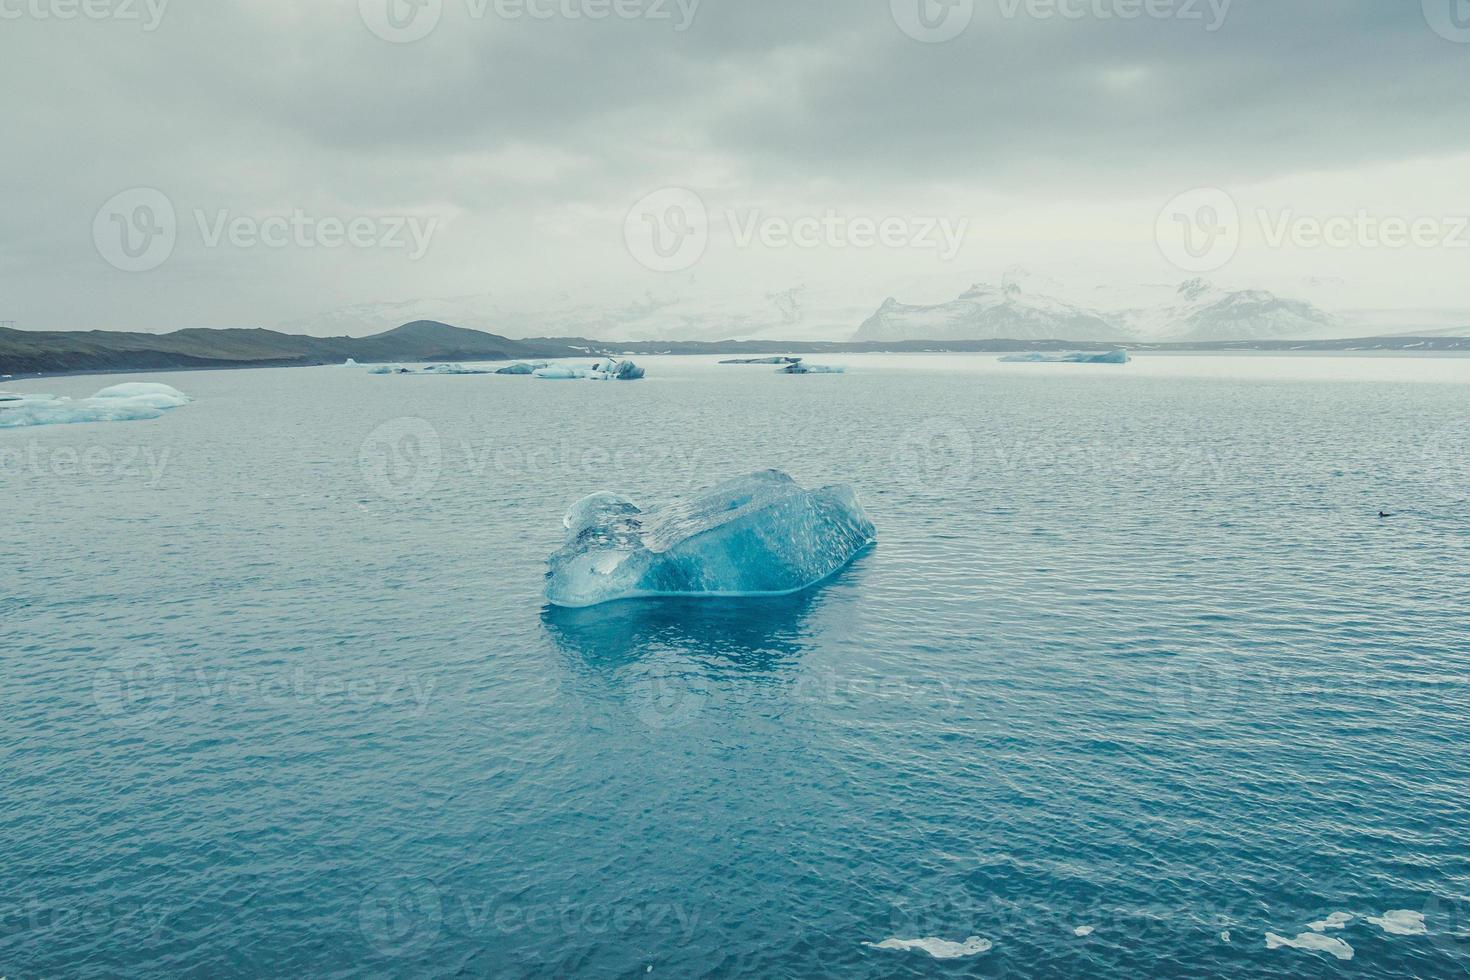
(1084, 931)
(1334, 921)
(764, 360)
(1225, 936)
(940, 949)
(799, 368)
(453, 369)
(1079, 357)
(351, 362)
(1314, 941)
(390, 369)
(1401, 922)
(757, 535)
(606, 370)
(119, 403)
(524, 368)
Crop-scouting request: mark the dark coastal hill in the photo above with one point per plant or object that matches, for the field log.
(35, 352)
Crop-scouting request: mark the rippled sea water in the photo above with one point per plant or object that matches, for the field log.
(1134, 651)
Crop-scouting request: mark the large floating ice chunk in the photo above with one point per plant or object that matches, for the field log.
(802, 368)
(940, 949)
(119, 403)
(757, 535)
(1081, 357)
(523, 368)
(605, 370)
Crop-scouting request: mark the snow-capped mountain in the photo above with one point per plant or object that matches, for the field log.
(986, 312)
(1197, 311)
(1201, 312)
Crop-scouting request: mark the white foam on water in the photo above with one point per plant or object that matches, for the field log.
(1400, 922)
(1334, 921)
(1084, 930)
(1313, 941)
(940, 949)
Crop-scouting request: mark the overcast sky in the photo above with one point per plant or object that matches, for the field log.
(250, 162)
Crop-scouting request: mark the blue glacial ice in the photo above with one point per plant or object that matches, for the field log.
(119, 403)
(1073, 357)
(757, 535)
(940, 949)
(524, 368)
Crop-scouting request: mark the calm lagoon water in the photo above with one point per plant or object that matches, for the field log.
(1134, 651)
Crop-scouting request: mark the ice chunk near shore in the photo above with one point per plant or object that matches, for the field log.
(1076, 357)
(120, 403)
(390, 369)
(1401, 922)
(757, 535)
(351, 362)
(763, 360)
(940, 949)
(1313, 941)
(453, 369)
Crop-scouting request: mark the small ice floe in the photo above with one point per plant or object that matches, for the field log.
(524, 369)
(800, 368)
(120, 403)
(390, 369)
(351, 362)
(764, 360)
(1401, 922)
(1225, 936)
(940, 949)
(1334, 921)
(1313, 941)
(454, 369)
(1084, 931)
(1079, 357)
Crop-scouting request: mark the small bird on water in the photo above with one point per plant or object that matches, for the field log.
(1383, 514)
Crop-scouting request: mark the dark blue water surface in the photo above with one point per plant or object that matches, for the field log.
(1134, 651)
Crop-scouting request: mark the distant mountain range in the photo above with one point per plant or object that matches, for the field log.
(1197, 313)
(34, 352)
